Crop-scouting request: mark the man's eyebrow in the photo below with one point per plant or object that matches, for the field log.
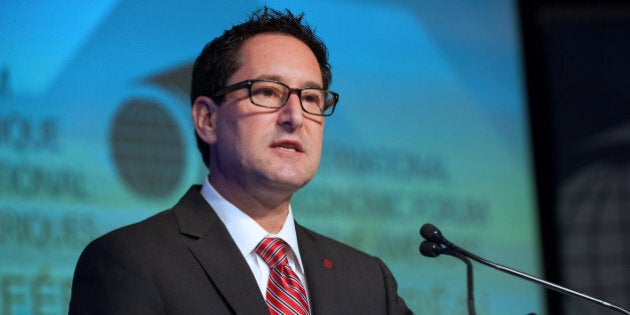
(313, 84)
(307, 84)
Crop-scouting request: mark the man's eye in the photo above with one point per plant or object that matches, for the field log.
(266, 92)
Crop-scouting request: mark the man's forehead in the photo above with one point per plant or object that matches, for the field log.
(258, 54)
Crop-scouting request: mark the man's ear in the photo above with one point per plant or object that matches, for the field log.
(204, 118)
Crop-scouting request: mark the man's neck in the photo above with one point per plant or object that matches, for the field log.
(269, 211)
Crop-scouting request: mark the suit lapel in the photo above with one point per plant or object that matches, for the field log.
(218, 255)
(320, 273)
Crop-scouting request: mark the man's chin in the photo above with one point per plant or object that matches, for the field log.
(289, 181)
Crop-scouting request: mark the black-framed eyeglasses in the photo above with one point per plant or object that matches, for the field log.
(273, 94)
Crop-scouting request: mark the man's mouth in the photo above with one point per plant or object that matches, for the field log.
(291, 146)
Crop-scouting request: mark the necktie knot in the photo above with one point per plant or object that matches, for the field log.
(273, 252)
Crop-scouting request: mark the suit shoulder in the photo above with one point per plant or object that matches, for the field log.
(144, 228)
(145, 232)
(163, 223)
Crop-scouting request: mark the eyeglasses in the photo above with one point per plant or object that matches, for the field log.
(273, 94)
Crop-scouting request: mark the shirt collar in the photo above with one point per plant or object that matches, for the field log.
(246, 232)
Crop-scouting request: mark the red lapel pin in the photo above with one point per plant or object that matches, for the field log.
(327, 263)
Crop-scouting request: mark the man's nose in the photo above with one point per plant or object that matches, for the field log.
(291, 114)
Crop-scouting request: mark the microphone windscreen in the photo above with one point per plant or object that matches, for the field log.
(428, 230)
(430, 249)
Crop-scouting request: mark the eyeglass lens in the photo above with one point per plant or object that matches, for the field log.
(274, 95)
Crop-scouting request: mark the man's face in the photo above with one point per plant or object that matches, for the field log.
(262, 149)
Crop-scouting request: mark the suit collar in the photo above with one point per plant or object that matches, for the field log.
(194, 216)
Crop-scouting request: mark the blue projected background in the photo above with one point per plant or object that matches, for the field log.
(95, 133)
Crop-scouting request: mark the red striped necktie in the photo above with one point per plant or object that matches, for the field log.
(285, 292)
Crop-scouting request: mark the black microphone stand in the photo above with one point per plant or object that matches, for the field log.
(443, 246)
(469, 282)
(542, 282)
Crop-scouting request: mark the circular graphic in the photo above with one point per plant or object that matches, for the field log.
(147, 148)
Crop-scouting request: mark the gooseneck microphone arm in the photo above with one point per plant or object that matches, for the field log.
(433, 234)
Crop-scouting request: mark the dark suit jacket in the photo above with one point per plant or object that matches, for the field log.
(183, 261)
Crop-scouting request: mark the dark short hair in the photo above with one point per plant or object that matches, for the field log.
(220, 58)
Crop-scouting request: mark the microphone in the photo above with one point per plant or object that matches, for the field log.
(433, 234)
(431, 249)
(438, 244)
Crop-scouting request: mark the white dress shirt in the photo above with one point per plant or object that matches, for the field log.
(247, 234)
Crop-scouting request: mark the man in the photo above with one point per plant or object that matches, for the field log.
(259, 100)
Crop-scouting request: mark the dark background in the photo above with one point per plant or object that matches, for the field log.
(577, 59)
